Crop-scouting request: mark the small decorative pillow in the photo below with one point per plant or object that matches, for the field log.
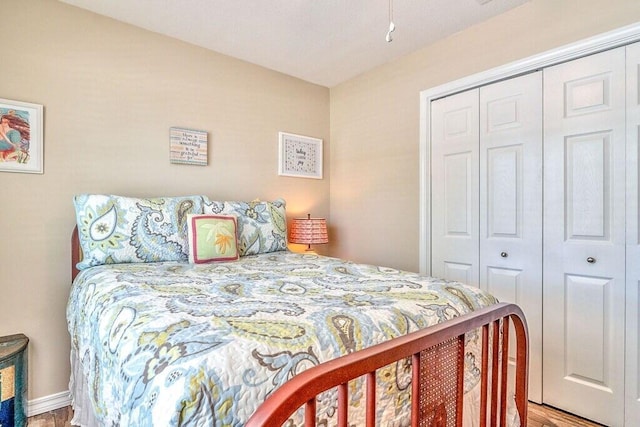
(262, 226)
(212, 238)
(115, 229)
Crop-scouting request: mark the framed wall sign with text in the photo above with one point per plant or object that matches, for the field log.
(299, 156)
(188, 146)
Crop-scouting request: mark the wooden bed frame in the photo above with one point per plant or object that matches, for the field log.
(436, 356)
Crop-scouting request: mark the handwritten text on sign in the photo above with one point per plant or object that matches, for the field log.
(188, 146)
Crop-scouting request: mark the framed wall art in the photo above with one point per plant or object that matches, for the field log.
(299, 156)
(21, 137)
(188, 146)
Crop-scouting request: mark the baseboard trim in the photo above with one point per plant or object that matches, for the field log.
(48, 403)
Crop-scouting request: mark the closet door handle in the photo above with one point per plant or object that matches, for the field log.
(591, 260)
(504, 254)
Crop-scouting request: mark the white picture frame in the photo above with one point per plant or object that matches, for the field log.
(299, 156)
(21, 137)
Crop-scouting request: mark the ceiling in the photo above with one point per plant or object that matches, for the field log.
(321, 41)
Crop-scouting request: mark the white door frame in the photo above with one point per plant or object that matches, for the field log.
(599, 43)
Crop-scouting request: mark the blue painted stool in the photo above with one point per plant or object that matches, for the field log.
(13, 380)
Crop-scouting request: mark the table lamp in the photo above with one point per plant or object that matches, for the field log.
(308, 231)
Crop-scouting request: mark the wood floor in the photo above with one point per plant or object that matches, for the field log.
(58, 418)
(539, 416)
(546, 416)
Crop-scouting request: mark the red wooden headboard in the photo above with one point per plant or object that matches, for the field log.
(76, 253)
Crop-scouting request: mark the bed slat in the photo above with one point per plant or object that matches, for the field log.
(415, 389)
(484, 378)
(504, 355)
(310, 413)
(343, 405)
(495, 348)
(371, 399)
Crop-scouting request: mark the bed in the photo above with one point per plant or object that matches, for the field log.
(261, 336)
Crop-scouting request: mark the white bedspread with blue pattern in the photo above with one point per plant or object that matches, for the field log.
(171, 343)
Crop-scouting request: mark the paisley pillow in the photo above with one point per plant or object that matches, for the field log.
(262, 226)
(115, 229)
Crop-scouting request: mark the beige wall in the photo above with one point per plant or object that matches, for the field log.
(110, 94)
(375, 119)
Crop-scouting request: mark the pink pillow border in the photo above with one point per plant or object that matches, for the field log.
(192, 238)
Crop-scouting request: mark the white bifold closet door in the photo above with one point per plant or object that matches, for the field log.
(632, 368)
(455, 188)
(584, 236)
(486, 207)
(511, 204)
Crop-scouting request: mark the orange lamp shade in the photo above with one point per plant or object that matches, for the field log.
(308, 231)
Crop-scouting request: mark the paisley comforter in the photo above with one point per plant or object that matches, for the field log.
(171, 343)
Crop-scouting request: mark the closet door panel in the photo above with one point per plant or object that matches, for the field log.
(454, 162)
(586, 297)
(587, 172)
(632, 366)
(511, 203)
(505, 283)
(584, 236)
(504, 191)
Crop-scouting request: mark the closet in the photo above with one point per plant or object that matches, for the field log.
(632, 296)
(584, 235)
(534, 197)
(486, 165)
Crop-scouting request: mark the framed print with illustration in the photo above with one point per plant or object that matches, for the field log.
(20, 137)
(299, 156)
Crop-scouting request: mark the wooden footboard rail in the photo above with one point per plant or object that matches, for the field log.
(437, 369)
